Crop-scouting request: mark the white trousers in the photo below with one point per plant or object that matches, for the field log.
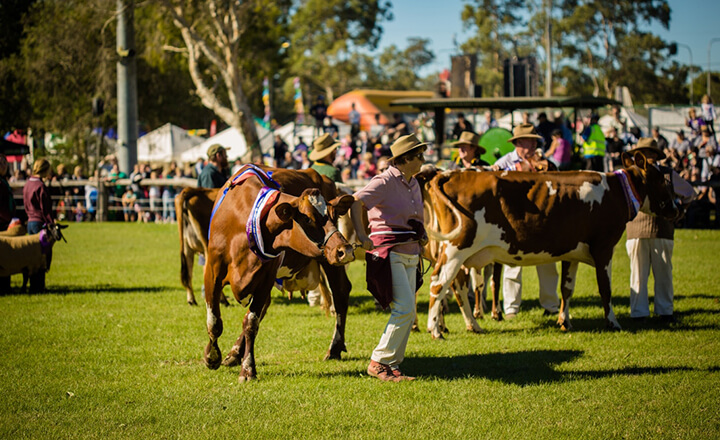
(391, 348)
(512, 287)
(647, 253)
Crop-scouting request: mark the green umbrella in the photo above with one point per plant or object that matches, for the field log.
(495, 142)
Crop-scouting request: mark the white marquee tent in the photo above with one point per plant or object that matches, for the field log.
(231, 139)
(165, 144)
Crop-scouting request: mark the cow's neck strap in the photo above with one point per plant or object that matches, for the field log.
(265, 200)
(244, 173)
(631, 196)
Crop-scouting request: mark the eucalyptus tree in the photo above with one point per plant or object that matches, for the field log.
(498, 25)
(326, 36)
(228, 44)
(605, 41)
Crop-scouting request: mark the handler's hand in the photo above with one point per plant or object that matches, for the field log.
(424, 240)
(367, 244)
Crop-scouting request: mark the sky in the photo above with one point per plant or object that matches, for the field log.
(693, 23)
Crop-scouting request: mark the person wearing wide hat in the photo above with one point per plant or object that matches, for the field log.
(323, 155)
(525, 138)
(215, 173)
(394, 207)
(650, 245)
(469, 152)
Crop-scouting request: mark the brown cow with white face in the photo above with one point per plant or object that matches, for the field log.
(296, 230)
(526, 219)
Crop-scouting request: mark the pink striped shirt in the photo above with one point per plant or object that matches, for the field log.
(392, 202)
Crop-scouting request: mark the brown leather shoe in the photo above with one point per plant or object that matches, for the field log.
(381, 371)
(399, 377)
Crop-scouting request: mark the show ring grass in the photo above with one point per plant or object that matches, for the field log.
(114, 351)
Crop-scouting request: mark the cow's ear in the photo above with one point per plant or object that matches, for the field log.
(340, 205)
(640, 160)
(627, 160)
(285, 212)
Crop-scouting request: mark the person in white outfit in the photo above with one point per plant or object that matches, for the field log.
(650, 246)
(525, 139)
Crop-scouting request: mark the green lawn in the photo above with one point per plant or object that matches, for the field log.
(115, 352)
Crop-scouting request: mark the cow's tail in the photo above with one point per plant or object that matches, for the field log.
(433, 227)
(181, 216)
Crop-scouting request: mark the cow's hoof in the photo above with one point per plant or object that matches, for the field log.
(477, 330)
(437, 336)
(331, 355)
(213, 358)
(231, 360)
(497, 317)
(478, 315)
(565, 326)
(192, 302)
(335, 352)
(415, 328)
(246, 376)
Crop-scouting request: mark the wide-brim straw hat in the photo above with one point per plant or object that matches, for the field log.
(405, 144)
(524, 131)
(323, 146)
(471, 139)
(648, 144)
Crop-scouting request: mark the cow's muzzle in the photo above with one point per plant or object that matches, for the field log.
(340, 254)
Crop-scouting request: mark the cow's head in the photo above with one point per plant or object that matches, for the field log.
(659, 196)
(314, 226)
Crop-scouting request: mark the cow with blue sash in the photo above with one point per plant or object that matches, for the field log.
(267, 224)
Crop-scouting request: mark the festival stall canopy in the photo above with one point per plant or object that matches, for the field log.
(13, 151)
(233, 141)
(165, 144)
(371, 102)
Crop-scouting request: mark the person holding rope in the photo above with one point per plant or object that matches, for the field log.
(394, 206)
(38, 206)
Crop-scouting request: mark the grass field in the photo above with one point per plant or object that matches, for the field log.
(115, 352)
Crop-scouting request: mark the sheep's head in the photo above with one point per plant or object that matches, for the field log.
(54, 230)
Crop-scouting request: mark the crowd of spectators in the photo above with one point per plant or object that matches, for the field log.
(363, 152)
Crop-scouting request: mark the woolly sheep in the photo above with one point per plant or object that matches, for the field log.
(25, 254)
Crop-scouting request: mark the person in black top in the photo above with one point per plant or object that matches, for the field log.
(280, 147)
(545, 128)
(461, 125)
(614, 147)
(319, 112)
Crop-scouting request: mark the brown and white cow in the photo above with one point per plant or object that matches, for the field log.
(525, 219)
(297, 229)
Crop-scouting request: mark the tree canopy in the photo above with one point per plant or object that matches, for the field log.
(199, 60)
